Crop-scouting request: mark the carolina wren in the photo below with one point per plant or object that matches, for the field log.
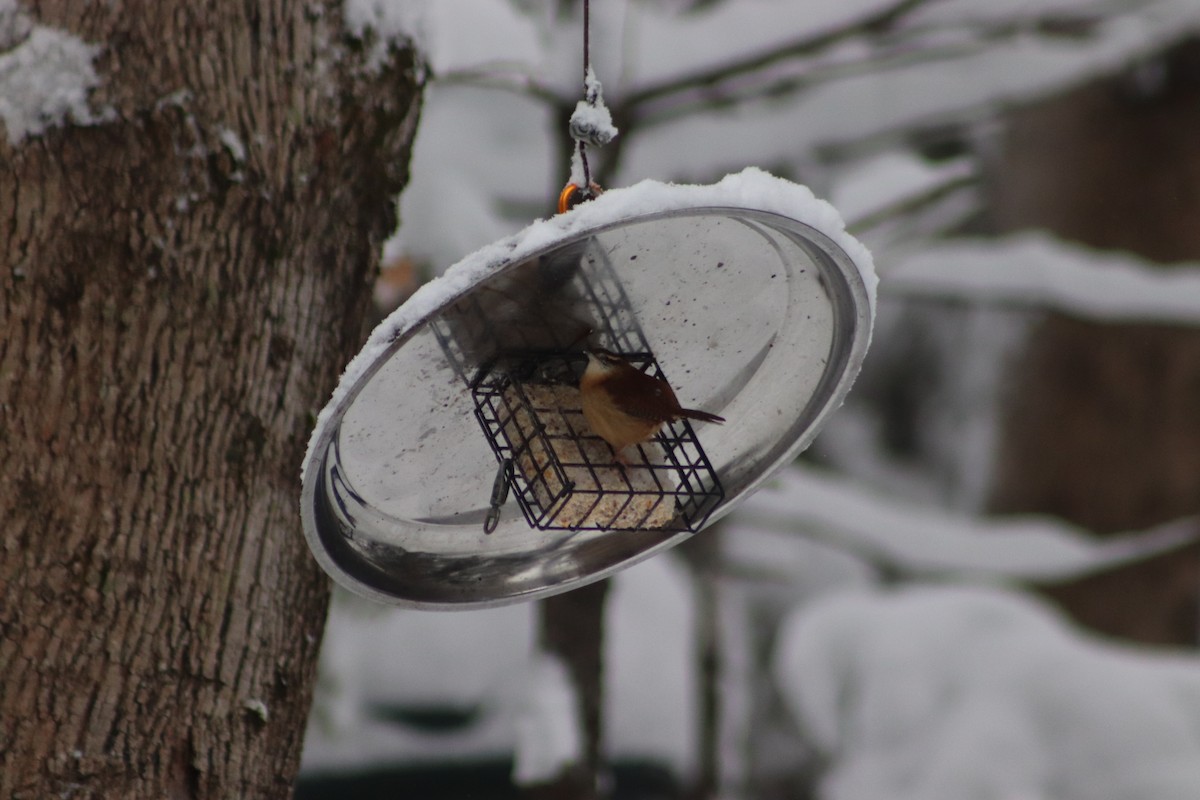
(624, 405)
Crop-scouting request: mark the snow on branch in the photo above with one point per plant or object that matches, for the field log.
(952, 692)
(918, 540)
(1037, 270)
(549, 730)
(806, 45)
(898, 38)
(388, 22)
(45, 76)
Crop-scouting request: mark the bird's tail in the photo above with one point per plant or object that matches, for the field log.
(704, 416)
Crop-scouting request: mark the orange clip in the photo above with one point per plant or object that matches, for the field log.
(564, 197)
(570, 197)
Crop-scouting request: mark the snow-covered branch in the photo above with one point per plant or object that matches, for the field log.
(1036, 270)
(806, 45)
(921, 541)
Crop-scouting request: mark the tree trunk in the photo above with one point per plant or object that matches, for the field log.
(181, 283)
(1103, 425)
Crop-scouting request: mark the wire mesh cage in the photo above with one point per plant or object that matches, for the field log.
(521, 330)
(567, 477)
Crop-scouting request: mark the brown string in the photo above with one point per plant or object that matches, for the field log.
(586, 190)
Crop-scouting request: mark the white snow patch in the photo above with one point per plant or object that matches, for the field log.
(548, 725)
(968, 693)
(651, 683)
(233, 143)
(400, 657)
(452, 204)
(478, 662)
(375, 656)
(258, 708)
(45, 76)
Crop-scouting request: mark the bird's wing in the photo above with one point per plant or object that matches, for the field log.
(644, 397)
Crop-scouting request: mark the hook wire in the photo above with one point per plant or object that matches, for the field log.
(500, 486)
(591, 123)
(587, 68)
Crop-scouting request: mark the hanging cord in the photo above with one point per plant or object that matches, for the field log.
(591, 124)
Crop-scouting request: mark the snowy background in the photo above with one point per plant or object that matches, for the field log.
(875, 640)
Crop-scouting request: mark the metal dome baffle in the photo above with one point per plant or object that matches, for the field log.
(454, 467)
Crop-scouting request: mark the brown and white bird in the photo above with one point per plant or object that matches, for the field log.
(625, 406)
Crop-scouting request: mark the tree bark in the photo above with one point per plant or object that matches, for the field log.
(181, 283)
(1103, 424)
